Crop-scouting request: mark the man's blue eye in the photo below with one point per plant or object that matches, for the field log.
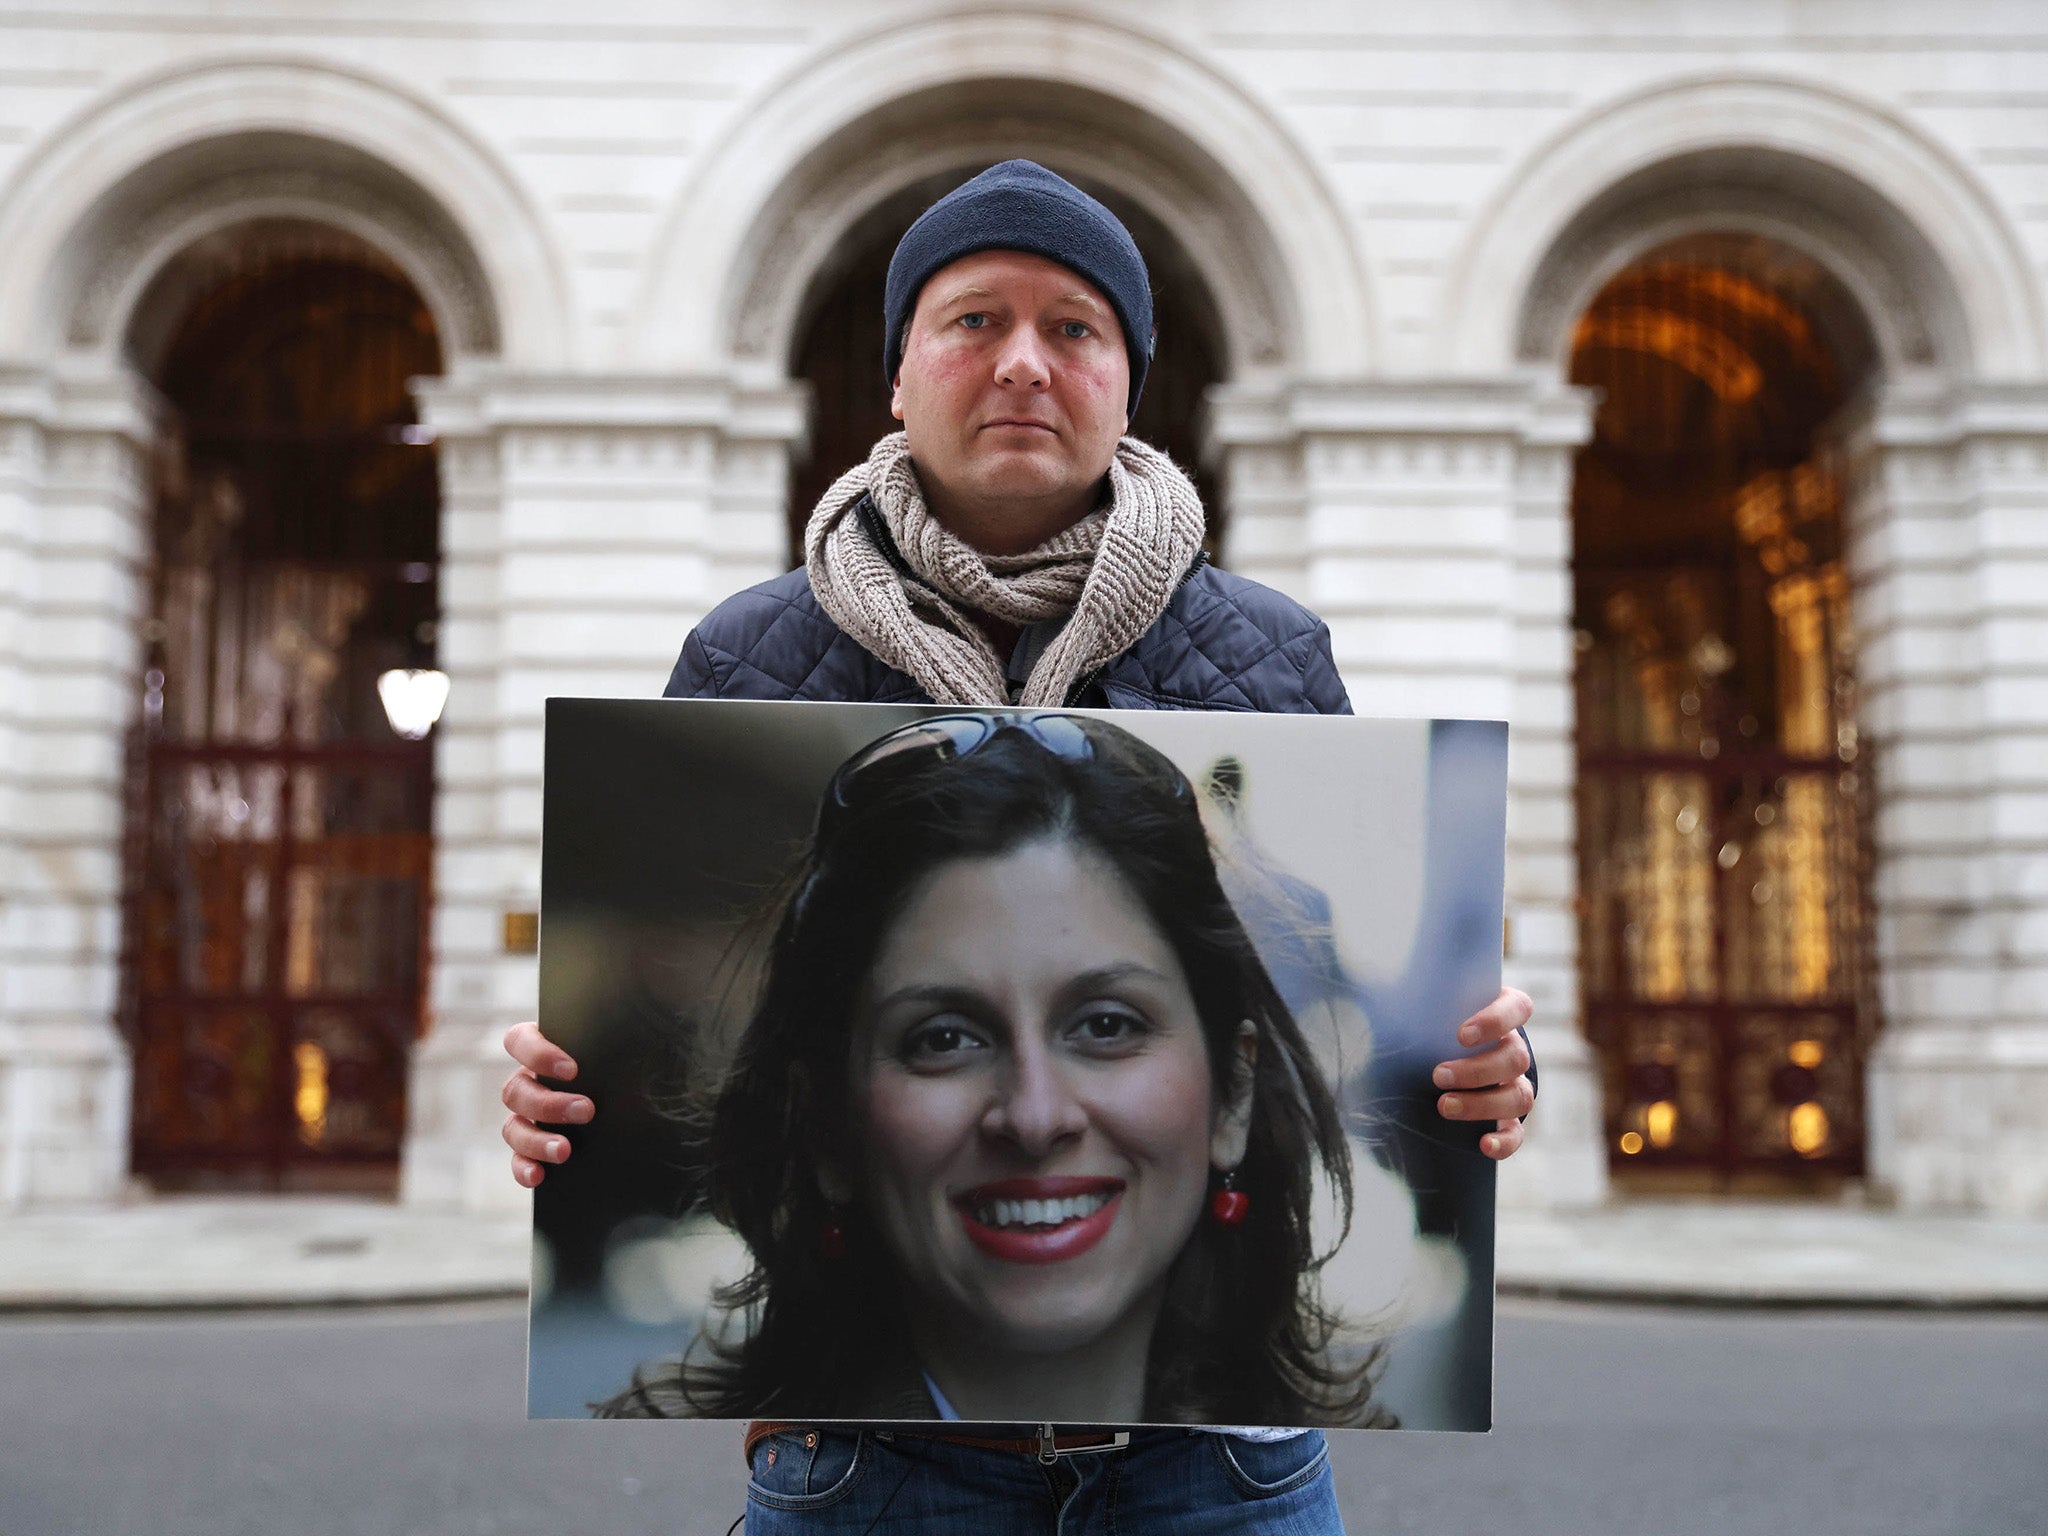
(1076, 331)
(974, 322)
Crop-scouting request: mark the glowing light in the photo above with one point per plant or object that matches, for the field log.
(1673, 892)
(413, 699)
(1745, 295)
(309, 1101)
(1807, 1129)
(1661, 1121)
(1711, 655)
(1810, 877)
(1700, 350)
(1806, 1053)
(1631, 1143)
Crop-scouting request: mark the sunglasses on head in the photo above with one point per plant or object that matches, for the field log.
(948, 739)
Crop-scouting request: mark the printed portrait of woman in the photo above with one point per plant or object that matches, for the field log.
(1013, 1123)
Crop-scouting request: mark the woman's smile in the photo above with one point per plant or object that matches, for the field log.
(1039, 1221)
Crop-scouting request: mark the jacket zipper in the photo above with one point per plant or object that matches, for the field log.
(1084, 683)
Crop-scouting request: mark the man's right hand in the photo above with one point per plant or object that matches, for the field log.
(536, 1106)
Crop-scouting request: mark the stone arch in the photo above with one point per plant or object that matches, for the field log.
(102, 210)
(140, 248)
(1128, 110)
(1921, 247)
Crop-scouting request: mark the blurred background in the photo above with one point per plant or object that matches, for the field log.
(1669, 380)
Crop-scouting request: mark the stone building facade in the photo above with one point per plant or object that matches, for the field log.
(619, 216)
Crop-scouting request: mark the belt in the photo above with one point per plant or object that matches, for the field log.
(1045, 1445)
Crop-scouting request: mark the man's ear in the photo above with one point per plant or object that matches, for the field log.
(896, 395)
(1231, 1127)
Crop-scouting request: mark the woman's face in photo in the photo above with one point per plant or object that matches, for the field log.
(1033, 1099)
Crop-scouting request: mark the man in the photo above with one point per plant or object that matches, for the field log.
(1010, 545)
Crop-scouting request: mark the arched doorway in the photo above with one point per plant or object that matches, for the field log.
(279, 829)
(1724, 912)
(839, 348)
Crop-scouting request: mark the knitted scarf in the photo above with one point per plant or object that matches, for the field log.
(1113, 572)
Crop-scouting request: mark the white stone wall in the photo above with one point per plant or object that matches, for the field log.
(613, 210)
(1950, 554)
(74, 453)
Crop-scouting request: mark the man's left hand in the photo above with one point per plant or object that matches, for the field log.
(1492, 1083)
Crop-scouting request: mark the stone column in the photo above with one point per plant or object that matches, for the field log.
(1428, 523)
(74, 530)
(23, 408)
(1565, 1162)
(589, 522)
(1948, 556)
(1257, 451)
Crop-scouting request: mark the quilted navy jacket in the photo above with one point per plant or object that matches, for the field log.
(1223, 643)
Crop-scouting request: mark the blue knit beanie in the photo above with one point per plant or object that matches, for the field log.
(1020, 206)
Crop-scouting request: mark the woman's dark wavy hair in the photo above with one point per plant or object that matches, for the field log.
(1243, 1336)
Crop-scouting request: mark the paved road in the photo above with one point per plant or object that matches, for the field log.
(1621, 1420)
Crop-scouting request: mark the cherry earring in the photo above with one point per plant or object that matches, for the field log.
(1229, 1206)
(832, 1238)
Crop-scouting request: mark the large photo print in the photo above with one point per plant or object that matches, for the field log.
(1016, 1066)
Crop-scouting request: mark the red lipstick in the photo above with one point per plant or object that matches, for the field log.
(1000, 1218)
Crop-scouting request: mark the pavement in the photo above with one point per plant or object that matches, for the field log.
(1609, 1418)
(216, 1252)
(1749, 1253)
(195, 1252)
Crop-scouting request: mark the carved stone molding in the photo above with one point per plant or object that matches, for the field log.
(823, 206)
(1896, 282)
(1113, 100)
(143, 250)
(1909, 227)
(1407, 456)
(674, 451)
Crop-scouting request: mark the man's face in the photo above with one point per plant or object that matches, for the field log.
(1013, 391)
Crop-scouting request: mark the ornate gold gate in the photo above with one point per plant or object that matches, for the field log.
(1724, 936)
(279, 831)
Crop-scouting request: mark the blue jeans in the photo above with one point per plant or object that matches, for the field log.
(841, 1483)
